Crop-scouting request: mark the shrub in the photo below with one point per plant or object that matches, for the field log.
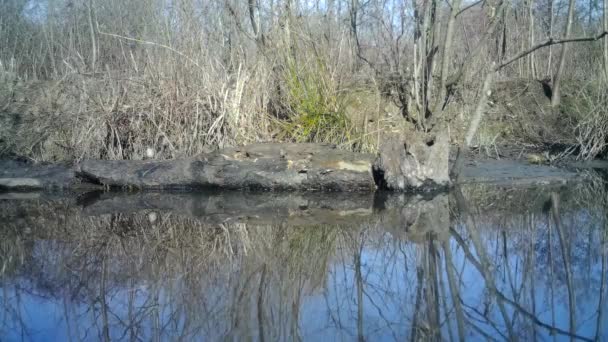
(316, 105)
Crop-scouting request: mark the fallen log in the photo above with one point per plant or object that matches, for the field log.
(417, 165)
(258, 166)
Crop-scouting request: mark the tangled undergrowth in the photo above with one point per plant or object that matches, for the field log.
(520, 116)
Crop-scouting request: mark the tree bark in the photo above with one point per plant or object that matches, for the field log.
(556, 91)
(256, 23)
(260, 166)
(531, 59)
(354, 13)
(446, 56)
(474, 125)
(93, 36)
(550, 34)
(606, 38)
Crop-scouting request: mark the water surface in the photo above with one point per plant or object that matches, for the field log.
(479, 263)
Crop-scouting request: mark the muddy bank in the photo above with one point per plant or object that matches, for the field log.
(266, 167)
(516, 173)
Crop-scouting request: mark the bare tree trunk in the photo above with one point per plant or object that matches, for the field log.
(419, 46)
(446, 56)
(484, 261)
(418, 304)
(287, 29)
(550, 34)
(428, 30)
(606, 38)
(600, 308)
(497, 18)
(556, 91)
(481, 106)
(49, 37)
(354, 13)
(104, 304)
(477, 116)
(551, 275)
(566, 259)
(531, 59)
(329, 20)
(93, 38)
(433, 298)
(260, 305)
(454, 289)
(359, 284)
(255, 22)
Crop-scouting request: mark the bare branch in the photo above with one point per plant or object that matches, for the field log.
(466, 8)
(549, 42)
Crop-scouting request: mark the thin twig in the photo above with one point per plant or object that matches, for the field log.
(189, 59)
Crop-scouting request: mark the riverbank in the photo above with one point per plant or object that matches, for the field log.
(337, 171)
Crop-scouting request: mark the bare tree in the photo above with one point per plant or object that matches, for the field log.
(93, 36)
(606, 38)
(447, 54)
(531, 33)
(254, 18)
(550, 34)
(556, 91)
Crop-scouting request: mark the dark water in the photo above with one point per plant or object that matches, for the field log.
(480, 263)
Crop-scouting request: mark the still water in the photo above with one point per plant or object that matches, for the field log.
(479, 263)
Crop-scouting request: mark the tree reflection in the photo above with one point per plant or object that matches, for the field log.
(496, 264)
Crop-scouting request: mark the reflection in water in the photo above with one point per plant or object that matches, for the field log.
(481, 263)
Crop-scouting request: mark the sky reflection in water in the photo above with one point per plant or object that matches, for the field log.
(482, 263)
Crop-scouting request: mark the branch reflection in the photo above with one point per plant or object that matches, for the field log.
(481, 262)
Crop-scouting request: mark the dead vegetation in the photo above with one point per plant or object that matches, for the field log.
(112, 79)
(520, 117)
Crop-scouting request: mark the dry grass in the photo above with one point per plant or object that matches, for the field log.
(110, 79)
(112, 89)
(116, 115)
